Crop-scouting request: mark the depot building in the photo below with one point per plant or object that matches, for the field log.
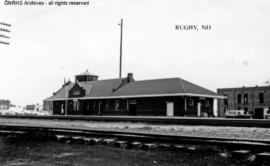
(125, 96)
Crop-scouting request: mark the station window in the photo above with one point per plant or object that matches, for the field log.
(94, 104)
(245, 98)
(88, 106)
(99, 107)
(127, 105)
(116, 105)
(133, 102)
(107, 105)
(75, 93)
(62, 109)
(226, 100)
(261, 97)
(207, 103)
(239, 98)
(190, 102)
(76, 105)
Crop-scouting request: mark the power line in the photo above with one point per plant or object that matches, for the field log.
(4, 36)
(5, 24)
(4, 30)
(3, 42)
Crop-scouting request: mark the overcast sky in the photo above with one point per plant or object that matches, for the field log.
(49, 43)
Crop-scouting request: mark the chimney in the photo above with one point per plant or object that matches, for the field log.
(125, 81)
(130, 77)
(66, 82)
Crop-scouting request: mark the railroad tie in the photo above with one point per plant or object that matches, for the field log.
(108, 141)
(237, 154)
(164, 146)
(148, 146)
(264, 156)
(62, 138)
(120, 144)
(94, 141)
(134, 145)
(77, 140)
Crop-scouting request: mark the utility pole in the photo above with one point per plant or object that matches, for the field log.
(121, 36)
(66, 102)
(4, 31)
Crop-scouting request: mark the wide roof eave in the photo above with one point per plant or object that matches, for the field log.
(141, 96)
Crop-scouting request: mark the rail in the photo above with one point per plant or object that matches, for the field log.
(142, 137)
(156, 120)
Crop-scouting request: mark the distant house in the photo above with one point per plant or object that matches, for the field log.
(48, 106)
(255, 100)
(30, 107)
(4, 104)
(34, 107)
(156, 97)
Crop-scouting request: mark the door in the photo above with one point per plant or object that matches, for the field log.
(133, 107)
(258, 113)
(86, 107)
(170, 108)
(199, 110)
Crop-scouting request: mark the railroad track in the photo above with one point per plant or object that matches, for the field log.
(156, 120)
(132, 136)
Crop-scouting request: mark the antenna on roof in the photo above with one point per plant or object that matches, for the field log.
(121, 36)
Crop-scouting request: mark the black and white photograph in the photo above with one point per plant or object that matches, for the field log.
(134, 83)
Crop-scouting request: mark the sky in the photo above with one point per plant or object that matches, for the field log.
(50, 43)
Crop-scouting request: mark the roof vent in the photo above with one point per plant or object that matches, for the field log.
(86, 76)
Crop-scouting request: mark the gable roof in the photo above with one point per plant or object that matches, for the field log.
(163, 86)
(92, 88)
(146, 88)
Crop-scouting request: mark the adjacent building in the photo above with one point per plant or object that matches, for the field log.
(254, 100)
(156, 97)
(4, 104)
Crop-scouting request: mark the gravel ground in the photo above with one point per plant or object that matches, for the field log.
(24, 152)
(205, 131)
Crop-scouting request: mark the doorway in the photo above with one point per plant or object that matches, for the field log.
(132, 107)
(170, 109)
(199, 109)
(258, 113)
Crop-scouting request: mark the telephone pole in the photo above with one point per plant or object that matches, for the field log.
(121, 37)
(66, 101)
(4, 31)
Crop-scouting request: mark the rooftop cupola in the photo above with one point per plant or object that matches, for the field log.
(85, 77)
